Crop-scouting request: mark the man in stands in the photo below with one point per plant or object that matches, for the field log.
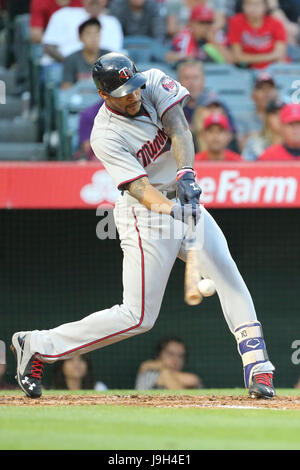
(199, 39)
(289, 149)
(41, 12)
(61, 37)
(216, 136)
(78, 66)
(190, 73)
(251, 123)
(140, 17)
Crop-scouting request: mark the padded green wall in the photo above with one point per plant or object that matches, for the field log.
(53, 270)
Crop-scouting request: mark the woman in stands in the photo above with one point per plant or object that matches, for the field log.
(257, 39)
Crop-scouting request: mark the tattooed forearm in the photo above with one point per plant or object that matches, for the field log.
(177, 128)
(138, 187)
(149, 196)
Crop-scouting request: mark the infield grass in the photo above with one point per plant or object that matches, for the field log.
(114, 427)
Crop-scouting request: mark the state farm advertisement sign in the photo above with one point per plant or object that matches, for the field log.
(68, 185)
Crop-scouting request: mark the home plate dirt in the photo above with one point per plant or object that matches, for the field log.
(157, 401)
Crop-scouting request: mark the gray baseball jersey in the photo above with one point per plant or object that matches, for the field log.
(133, 147)
(129, 148)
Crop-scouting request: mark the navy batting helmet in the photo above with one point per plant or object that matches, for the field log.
(117, 75)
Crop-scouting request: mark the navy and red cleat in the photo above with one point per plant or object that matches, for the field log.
(29, 367)
(262, 386)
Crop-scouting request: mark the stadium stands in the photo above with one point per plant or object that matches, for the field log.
(46, 120)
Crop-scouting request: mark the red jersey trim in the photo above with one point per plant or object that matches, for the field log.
(113, 111)
(174, 104)
(130, 181)
(142, 307)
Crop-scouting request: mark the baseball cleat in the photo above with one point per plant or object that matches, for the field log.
(262, 386)
(29, 367)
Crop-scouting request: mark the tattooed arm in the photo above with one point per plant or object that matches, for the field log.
(149, 196)
(177, 128)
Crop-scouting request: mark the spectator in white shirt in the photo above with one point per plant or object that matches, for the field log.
(61, 37)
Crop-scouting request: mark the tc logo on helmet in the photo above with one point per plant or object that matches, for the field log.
(125, 73)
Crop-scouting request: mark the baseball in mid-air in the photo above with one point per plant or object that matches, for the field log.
(206, 287)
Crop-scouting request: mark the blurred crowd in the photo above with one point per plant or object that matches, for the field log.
(246, 35)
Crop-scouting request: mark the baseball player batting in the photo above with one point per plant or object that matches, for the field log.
(143, 139)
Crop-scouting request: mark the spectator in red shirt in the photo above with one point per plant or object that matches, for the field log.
(257, 39)
(40, 13)
(289, 149)
(199, 39)
(216, 136)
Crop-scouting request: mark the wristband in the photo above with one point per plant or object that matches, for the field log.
(183, 170)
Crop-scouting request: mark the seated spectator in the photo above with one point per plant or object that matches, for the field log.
(178, 12)
(257, 39)
(190, 73)
(289, 149)
(86, 122)
(297, 384)
(199, 39)
(41, 12)
(212, 104)
(216, 136)
(61, 36)
(75, 373)
(165, 371)
(4, 385)
(251, 123)
(288, 12)
(270, 134)
(77, 66)
(140, 18)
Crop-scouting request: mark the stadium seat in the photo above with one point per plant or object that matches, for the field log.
(68, 104)
(14, 151)
(78, 97)
(12, 107)
(18, 129)
(142, 66)
(9, 78)
(144, 49)
(285, 75)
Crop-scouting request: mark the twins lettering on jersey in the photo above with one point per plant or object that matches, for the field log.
(150, 151)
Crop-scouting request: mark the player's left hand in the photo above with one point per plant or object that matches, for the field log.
(189, 191)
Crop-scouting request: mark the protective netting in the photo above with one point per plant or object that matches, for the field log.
(54, 269)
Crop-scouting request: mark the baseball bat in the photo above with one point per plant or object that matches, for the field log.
(192, 295)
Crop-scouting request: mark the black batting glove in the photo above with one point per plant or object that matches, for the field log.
(188, 190)
(185, 212)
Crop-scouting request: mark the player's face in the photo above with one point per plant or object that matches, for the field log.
(216, 138)
(291, 134)
(128, 105)
(173, 355)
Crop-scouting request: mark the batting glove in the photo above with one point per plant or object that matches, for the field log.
(185, 212)
(189, 191)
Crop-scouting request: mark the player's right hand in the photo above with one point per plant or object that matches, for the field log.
(184, 212)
